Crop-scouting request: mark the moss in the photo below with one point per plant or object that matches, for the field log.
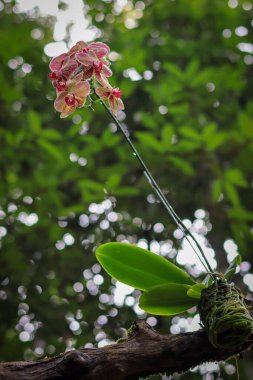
(225, 316)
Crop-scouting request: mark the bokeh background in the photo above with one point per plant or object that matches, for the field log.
(185, 69)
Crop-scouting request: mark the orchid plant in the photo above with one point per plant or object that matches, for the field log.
(72, 73)
(78, 75)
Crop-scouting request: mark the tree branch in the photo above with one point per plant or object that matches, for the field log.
(144, 352)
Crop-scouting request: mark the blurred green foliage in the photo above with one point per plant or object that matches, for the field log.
(69, 185)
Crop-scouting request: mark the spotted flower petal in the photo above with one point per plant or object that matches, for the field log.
(80, 45)
(113, 97)
(99, 48)
(57, 62)
(68, 68)
(73, 97)
(85, 58)
(103, 92)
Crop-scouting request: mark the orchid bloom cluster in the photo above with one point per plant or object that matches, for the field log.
(81, 72)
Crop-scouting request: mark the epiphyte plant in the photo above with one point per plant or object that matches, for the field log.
(80, 74)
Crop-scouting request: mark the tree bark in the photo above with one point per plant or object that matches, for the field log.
(144, 352)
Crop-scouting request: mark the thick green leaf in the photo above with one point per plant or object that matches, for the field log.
(138, 267)
(232, 267)
(195, 290)
(167, 299)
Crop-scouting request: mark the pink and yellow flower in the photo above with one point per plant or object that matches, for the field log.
(74, 96)
(98, 48)
(113, 95)
(91, 56)
(71, 73)
(92, 65)
(63, 67)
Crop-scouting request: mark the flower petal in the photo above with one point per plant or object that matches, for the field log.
(80, 45)
(59, 102)
(68, 68)
(85, 59)
(99, 48)
(102, 80)
(56, 63)
(113, 104)
(105, 62)
(88, 72)
(103, 92)
(78, 78)
(120, 104)
(106, 71)
(82, 90)
(67, 111)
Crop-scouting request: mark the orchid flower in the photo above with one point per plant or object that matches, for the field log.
(74, 96)
(112, 95)
(72, 73)
(94, 66)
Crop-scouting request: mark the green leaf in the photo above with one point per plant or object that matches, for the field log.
(195, 290)
(149, 141)
(174, 70)
(216, 141)
(179, 109)
(167, 299)
(138, 267)
(216, 190)
(182, 165)
(236, 177)
(209, 131)
(245, 125)
(192, 69)
(190, 132)
(52, 149)
(113, 180)
(34, 121)
(148, 120)
(232, 194)
(126, 191)
(166, 135)
(51, 134)
(239, 213)
(232, 267)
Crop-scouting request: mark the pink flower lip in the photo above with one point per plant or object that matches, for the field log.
(60, 85)
(98, 66)
(71, 100)
(53, 76)
(116, 92)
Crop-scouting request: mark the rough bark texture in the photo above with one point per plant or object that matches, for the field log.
(144, 352)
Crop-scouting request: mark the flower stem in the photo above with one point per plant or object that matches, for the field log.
(162, 197)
